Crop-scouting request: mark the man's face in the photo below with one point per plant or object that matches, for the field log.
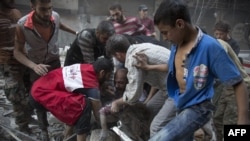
(7, 3)
(169, 33)
(120, 56)
(120, 82)
(220, 35)
(43, 10)
(104, 77)
(143, 13)
(116, 15)
(103, 37)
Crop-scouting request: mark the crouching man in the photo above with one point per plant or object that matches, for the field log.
(65, 93)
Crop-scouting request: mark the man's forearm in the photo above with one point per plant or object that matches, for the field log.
(67, 29)
(242, 103)
(21, 57)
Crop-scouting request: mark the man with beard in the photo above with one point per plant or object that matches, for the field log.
(126, 25)
(65, 93)
(36, 43)
(11, 71)
(89, 44)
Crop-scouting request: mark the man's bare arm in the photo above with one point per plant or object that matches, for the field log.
(20, 55)
(242, 102)
(67, 29)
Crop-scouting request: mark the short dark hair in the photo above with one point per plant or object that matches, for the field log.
(171, 10)
(117, 43)
(115, 6)
(42, 1)
(106, 27)
(222, 26)
(103, 64)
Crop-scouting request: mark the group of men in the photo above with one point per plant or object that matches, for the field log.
(29, 47)
(181, 80)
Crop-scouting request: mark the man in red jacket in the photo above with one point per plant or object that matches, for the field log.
(65, 93)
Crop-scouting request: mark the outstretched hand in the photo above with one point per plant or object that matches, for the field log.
(142, 60)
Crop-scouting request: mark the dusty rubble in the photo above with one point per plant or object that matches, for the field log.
(9, 131)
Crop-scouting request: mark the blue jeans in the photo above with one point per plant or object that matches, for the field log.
(165, 115)
(183, 126)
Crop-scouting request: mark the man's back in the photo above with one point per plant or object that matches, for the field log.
(84, 49)
(156, 55)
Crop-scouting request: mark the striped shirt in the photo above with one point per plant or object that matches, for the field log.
(131, 26)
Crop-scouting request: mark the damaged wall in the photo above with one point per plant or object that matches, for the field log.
(204, 13)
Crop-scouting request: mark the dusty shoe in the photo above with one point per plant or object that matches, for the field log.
(44, 136)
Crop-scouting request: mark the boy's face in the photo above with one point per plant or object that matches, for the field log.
(220, 35)
(169, 33)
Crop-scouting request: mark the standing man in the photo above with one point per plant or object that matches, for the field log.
(222, 31)
(89, 44)
(191, 75)
(39, 31)
(126, 25)
(145, 20)
(11, 71)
